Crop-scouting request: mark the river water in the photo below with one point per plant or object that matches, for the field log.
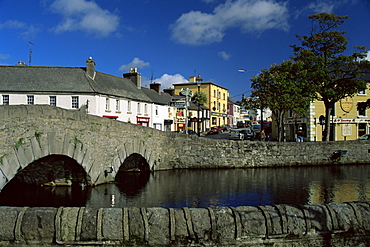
(207, 188)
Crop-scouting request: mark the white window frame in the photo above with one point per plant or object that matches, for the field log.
(118, 105)
(75, 102)
(30, 99)
(53, 100)
(5, 99)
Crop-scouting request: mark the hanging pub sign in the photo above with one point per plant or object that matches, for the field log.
(346, 104)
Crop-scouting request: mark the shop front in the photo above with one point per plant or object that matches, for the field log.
(144, 121)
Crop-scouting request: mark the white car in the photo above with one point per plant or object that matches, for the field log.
(236, 134)
(241, 134)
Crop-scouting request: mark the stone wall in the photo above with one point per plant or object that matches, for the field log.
(101, 145)
(346, 224)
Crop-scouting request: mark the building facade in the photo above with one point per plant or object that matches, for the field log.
(217, 99)
(349, 120)
(85, 89)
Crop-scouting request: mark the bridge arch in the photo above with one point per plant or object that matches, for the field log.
(29, 150)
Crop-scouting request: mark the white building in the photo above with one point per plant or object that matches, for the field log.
(84, 88)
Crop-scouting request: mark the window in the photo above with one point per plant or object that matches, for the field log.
(138, 108)
(146, 109)
(156, 110)
(107, 108)
(129, 106)
(362, 91)
(118, 106)
(5, 99)
(53, 100)
(361, 110)
(30, 100)
(75, 102)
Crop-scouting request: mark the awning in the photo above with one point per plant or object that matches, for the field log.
(112, 117)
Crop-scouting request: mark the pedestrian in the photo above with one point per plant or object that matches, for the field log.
(263, 135)
(300, 135)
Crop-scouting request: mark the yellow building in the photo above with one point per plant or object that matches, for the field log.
(348, 121)
(217, 97)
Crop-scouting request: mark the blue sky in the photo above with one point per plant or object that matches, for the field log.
(168, 40)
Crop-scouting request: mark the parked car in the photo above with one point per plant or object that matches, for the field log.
(365, 137)
(215, 130)
(248, 134)
(226, 127)
(241, 134)
(236, 134)
(256, 128)
(190, 132)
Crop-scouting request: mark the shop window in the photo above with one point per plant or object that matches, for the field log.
(361, 129)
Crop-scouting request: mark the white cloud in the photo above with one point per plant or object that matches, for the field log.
(319, 6)
(167, 80)
(368, 56)
(135, 63)
(4, 56)
(83, 15)
(197, 28)
(27, 31)
(225, 56)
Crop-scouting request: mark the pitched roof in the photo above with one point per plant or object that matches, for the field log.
(70, 80)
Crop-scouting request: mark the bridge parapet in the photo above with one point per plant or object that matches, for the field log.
(346, 224)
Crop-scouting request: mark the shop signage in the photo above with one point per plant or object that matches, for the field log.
(143, 119)
(346, 104)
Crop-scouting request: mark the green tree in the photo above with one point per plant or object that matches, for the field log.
(281, 88)
(199, 98)
(331, 74)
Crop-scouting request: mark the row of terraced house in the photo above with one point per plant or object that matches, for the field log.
(124, 99)
(119, 98)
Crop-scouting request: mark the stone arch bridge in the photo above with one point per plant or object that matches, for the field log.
(103, 147)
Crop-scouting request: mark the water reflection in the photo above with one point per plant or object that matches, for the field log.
(207, 188)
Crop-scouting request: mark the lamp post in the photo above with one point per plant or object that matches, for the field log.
(198, 124)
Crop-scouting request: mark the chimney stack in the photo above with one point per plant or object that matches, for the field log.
(170, 91)
(156, 87)
(90, 68)
(134, 76)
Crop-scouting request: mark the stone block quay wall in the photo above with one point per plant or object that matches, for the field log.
(346, 224)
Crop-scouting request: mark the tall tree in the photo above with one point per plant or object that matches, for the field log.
(332, 74)
(281, 88)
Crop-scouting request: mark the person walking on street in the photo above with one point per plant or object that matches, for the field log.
(300, 135)
(263, 135)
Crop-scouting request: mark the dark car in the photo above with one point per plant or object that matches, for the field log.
(248, 134)
(365, 137)
(190, 132)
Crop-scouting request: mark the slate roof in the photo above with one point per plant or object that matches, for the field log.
(73, 80)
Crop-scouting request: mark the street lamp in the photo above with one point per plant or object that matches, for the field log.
(244, 70)
(199, 80)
